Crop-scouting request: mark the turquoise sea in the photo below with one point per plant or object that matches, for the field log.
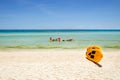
(40, 39)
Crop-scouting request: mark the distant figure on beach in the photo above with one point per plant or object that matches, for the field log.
(50, 39)
(63, 40)
(70, 40)
(54, 40)
(59, 40)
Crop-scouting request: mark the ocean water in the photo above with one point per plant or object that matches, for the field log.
(39, 39)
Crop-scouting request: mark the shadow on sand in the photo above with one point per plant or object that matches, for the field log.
(99, 65)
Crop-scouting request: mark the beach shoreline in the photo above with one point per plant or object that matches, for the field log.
(57, 64)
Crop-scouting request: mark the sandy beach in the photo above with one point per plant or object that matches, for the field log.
(57, 64)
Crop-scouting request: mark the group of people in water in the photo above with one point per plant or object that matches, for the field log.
(59, 40)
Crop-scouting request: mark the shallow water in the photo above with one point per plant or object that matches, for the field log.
(40, 38)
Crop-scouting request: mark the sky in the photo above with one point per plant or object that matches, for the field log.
(59, 14)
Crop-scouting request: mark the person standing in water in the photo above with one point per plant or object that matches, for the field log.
(59, 39)
(50, 39)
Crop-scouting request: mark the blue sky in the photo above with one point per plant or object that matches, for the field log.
(59, 14)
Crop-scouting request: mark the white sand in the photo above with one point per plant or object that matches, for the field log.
(57, 64)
